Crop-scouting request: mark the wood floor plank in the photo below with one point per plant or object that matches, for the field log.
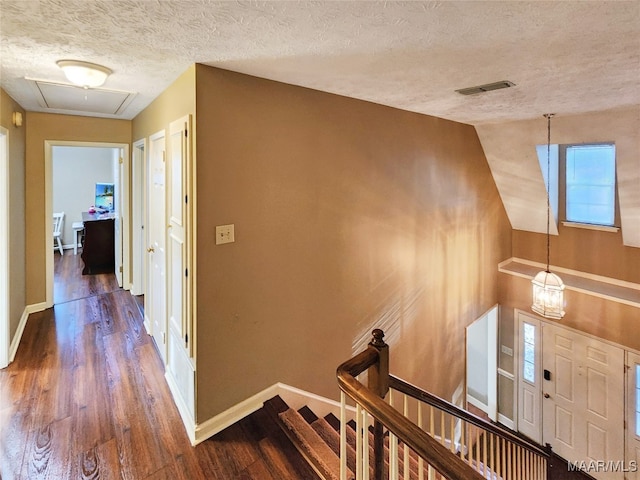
(48, 455)
(86, 398)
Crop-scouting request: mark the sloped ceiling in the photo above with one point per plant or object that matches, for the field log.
(568, 57)
(510, 151)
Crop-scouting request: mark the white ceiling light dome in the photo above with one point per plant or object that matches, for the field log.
(84, 74)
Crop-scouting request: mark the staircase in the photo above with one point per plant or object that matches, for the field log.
(401, 432)
(317, 439)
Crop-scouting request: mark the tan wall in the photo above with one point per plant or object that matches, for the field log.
(348, 216)
(176, 101)
(591, 251)
(17, 260)
(41, 127)
(606, 319)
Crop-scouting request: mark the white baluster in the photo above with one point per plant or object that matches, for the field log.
(359, 441)
(343, 436)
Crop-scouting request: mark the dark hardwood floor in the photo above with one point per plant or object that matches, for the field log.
(86, 398)
(69, 284)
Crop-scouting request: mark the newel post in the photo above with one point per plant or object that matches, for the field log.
(379, 383)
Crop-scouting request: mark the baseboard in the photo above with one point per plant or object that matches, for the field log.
(147, 324)
(15, 341)
(294, 397)
(183, 410)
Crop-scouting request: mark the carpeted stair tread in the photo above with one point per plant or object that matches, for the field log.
(311, 445)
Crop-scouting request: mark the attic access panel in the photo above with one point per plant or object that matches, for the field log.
(61, 96)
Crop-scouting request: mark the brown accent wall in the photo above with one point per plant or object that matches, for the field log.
(603, 318)
(348, 216)
(17, 258)
(591, 251)
(41, 127)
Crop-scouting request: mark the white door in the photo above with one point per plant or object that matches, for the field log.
(632, 460)
(156, 296)
(529, 377)
(583, 413)
(180, 332)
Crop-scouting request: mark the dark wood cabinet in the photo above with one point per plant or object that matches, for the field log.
(98, 250)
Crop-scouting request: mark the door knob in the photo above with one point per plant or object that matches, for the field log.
(151, 249)
(546, 395)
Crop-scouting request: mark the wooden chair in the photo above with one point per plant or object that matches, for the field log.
(58, 222)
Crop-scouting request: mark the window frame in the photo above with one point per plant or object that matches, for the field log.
(562, 191)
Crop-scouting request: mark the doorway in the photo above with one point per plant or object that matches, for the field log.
(571, 393)
(120, 175)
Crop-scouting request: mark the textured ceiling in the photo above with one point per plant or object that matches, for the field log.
(564, 56)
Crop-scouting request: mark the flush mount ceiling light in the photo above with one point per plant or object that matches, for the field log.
(84, 74)
(548, 289)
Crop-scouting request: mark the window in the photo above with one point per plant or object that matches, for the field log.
(591, 184)
(529, 343)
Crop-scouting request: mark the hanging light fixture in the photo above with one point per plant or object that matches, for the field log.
(84, 74)
(548, 289)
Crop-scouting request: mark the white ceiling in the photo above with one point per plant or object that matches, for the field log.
(567, 57)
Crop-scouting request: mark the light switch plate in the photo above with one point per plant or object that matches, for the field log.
(225, 234)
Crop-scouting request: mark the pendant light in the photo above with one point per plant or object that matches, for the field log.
(548, 289)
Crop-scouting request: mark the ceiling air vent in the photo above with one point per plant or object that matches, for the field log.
(486, 88)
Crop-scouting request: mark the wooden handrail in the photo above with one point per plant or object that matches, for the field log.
(437, 455)
(430, 399)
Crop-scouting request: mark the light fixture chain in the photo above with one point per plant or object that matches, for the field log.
(548, 115)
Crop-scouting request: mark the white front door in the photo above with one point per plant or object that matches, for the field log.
(529, 377)
(583, 398)
(632, 464)
(156, 296)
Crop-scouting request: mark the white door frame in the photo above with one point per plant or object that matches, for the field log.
(490, 364)
(632, 440)
(138, 216)
(4, 248)
(125, 188)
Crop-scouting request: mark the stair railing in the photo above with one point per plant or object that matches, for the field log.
(426, 436)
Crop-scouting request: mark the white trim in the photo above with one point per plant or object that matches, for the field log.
(589, 226)
(294, 397)
(138, 238)
(568, 271)
(612, 289)
(506, 374)
(5, 257)
(477, 403)
(15, 343)
(230, 416)
(183, 410)
(28, 310)
(48, 208)
(507, 422)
